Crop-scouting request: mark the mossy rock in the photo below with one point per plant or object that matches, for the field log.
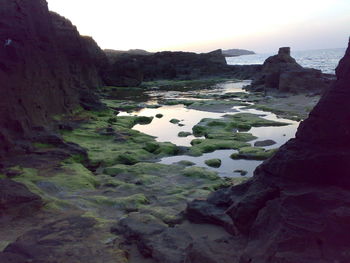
(228, 127)
(166, 148)
(151, 146)
(159, 116)
(252, 120)
(184, 134)
(129, 203)
(143, 120)
(199, 131)
(199, 172)
(216, 163)
(253, 153)
(174, 121)
(209, 145)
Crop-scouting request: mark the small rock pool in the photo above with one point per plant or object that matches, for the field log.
(166, 131)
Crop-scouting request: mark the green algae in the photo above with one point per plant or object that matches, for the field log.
(200, 146)
(40, 145)
(112, 143)
(199, 172)
(159, 115)
(216, 163)
(131, 202)
(183, 84)
(184, 134)
(253, 153)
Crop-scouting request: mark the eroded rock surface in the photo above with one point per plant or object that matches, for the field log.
(17, 200)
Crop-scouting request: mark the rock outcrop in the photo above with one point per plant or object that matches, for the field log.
(46, 69)
(283, 73)
(296, 208)
(131, 69)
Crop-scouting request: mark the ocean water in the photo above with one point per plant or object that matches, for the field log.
(325, 60)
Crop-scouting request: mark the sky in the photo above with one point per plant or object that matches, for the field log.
(202, 25)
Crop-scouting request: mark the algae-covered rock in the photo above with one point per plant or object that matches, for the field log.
(213, 163)
(128, 203)
(200, 172)
(184, 134)
(253, 153)
(264, 143)
(159, 116)
(174, 121)
(143, 120)
(200, 146)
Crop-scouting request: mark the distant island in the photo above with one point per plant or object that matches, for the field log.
(237, 52)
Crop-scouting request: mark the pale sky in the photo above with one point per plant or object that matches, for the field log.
(202, 25)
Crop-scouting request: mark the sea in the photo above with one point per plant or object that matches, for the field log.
(325, 60)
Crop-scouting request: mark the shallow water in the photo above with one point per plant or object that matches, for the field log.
(165, 131)
(227, 168)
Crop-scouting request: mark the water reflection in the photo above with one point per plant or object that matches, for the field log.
(165, 131)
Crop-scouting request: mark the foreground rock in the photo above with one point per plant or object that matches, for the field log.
(283, 73)
(153, 238)
(71, 239)
(296, 207)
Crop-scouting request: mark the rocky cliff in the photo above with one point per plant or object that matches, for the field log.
(297, 206)
(281, 72)
(46, 68)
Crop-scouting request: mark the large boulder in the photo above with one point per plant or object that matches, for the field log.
(296, 208)
(283, 73)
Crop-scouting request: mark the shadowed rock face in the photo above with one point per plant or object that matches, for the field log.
(46, 68)
(282, 72)
(131, 69)
(297, 206)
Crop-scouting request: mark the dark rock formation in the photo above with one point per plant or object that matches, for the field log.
(245, 72)
(296, 208)
(282, 72)
(17, 200)
(130, 69)
(237, 52)
(124, 70)
(111, 52)
(153, 238)
(46, 68)
(71, 239)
